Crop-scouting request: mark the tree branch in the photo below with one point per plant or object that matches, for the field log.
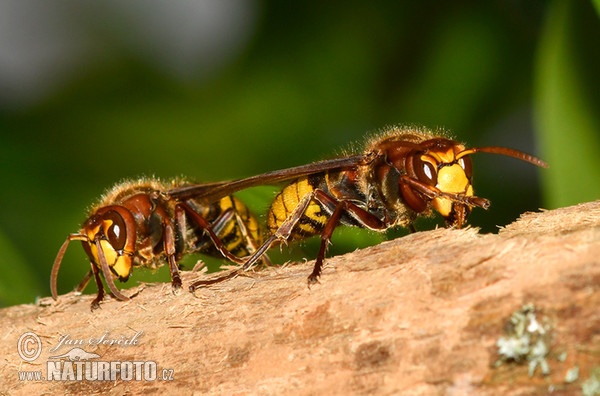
(418, 315)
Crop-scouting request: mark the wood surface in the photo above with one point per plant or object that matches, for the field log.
(419, 315)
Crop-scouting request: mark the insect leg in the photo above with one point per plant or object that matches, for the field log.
(169, 245)
(283, 233)
(433, 192)
(250, 241)
(108, 277)
(223, 221)
(257, 255)
(84, 282)
(208, 228)
(341, 206)
(100, 296)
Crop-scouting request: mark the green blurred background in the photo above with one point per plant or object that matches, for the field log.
(96, 92)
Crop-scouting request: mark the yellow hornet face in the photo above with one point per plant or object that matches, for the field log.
(450, 175)
(452, 179)
(116, 245)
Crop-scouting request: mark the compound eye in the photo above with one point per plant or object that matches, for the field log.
(466, 164)
(426, 172)
(116, 233)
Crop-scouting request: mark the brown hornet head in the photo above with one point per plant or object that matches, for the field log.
(111, 233)
(444, 165)
(439, 173)
(108, 237)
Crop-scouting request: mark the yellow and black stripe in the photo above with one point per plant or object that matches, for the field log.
(312, 221)
(241, 234)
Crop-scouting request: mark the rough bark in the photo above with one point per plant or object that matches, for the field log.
(418, 315)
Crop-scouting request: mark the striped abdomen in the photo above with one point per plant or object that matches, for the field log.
(239, 231)
(312, 221)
